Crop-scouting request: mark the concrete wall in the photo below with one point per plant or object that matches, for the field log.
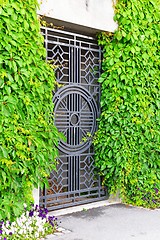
(96, 14)
(35, 193)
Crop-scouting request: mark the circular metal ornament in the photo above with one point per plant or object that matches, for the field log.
(75, 116)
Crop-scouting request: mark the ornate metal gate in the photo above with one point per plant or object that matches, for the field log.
(77, 60)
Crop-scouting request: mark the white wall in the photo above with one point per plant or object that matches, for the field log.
(35, 193)
(97, 14)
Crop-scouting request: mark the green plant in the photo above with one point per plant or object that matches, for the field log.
(127, 144)
(28, 137)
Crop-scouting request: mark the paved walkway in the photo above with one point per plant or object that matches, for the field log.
(113, 222)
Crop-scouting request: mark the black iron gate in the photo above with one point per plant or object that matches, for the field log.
(77, 61)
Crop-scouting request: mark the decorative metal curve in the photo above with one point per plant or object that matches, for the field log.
(75, 115)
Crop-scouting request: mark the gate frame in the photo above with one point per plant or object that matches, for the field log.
(100, 190)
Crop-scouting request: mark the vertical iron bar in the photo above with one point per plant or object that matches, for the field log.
(71, 173)
(69, 64)
(77, 126)
(44, 194)
(77, 65)
(74, 174)
(72, 69)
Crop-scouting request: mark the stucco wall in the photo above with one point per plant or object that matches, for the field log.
(97, 14)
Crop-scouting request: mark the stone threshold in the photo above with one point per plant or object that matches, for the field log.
(83, 207)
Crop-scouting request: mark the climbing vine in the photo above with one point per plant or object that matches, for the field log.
(127, 144)
(28, 137)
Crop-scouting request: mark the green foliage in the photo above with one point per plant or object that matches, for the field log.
(28, 137)
(127, 143)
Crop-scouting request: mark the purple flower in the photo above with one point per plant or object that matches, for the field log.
(52, 220)
(36, 207)
(156, 190)
(31, 213)
(0, 231)
(46, 210)
(1, 223)
(43, 213)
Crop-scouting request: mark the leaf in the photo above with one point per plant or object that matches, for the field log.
(26, 25)
(118, 159)
(14, 65)
(8, 89)
(3, 176)
(111, 61)
(103, 167)
(110, 154)
(100, 80)
(3, 152)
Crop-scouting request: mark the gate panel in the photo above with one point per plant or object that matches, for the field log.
(76, 101)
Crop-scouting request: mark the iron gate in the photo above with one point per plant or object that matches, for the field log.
(76, 101)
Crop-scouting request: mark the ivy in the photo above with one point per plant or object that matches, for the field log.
(127, 144)
(28, 137)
